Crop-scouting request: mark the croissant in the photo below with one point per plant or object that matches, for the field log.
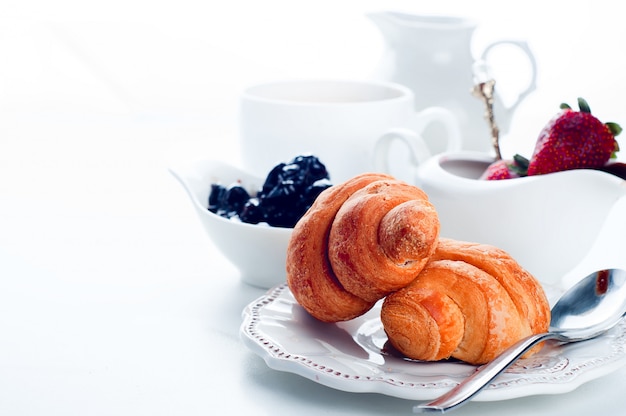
(359, 241)
(471, 302)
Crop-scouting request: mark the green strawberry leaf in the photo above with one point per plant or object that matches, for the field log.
(565, 106)
(583, 106)
(519, 165)
(615, 128)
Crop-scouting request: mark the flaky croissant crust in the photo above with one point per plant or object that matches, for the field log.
(359, 241)
(470, 302)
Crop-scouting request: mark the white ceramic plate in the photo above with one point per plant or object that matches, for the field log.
(353, 356)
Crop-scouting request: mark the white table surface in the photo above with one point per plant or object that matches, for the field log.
(112, 299)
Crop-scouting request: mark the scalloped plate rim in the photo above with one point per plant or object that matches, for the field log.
(397, 385)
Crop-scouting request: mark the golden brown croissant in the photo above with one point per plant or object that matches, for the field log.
(470, 302)
(358, 242)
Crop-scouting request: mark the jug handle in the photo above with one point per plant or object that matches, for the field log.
(523, 45)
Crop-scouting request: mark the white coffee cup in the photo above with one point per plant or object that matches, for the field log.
(347, 124)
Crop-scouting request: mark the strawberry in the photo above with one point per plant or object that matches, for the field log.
(574, 140)
(506, 169)
(498, 170)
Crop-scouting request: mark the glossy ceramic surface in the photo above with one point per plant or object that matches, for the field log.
(354, 356)
(257, 250)
(433, 56)
(546, 222)
(339, 121)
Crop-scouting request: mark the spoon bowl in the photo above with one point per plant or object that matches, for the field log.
(595, 304)
(588, 309)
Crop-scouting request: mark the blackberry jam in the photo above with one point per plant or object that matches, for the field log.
(288, 192)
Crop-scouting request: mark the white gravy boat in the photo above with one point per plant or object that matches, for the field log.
(548, 223)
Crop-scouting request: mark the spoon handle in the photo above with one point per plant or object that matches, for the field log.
(469, 387)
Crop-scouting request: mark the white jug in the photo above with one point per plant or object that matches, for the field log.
(432, 56)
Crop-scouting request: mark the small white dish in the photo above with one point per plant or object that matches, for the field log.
(259, 251)
(353, 356)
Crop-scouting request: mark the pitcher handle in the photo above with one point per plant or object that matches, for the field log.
(523, 45)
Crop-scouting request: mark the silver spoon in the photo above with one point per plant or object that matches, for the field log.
(588, 309)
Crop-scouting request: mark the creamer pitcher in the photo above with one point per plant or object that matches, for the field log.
(432, 56)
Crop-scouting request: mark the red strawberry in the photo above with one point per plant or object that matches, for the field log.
(574, 140)
(506, 169)
(498, 170)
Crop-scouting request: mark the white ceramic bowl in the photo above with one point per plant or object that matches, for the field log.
(258, 251)
(547, 222)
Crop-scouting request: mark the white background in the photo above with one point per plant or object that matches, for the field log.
(108, 287)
